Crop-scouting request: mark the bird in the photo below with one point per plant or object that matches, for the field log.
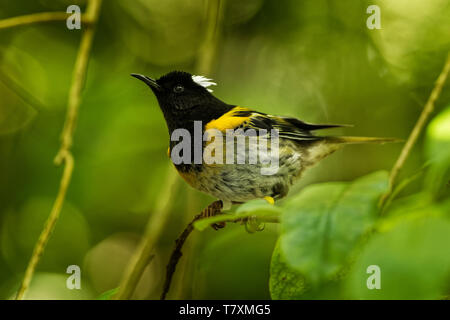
(185, 99)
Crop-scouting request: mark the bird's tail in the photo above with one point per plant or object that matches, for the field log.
(351, 140)
(328, 145)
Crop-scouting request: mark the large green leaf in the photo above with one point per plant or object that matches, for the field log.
(413, 259)
(285, 283)
(324, 222)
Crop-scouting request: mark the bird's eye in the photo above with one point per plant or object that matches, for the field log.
(178, 88)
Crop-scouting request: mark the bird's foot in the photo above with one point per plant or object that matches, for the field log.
(214, 209)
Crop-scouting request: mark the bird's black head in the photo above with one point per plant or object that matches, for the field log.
(182, 96)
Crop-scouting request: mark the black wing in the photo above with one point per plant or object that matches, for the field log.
(289, 128)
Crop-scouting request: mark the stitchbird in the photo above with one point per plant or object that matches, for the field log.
(185, 99)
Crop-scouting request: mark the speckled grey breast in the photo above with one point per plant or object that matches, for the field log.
(242, 182)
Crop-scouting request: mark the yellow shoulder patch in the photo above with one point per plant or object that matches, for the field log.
(228, 121)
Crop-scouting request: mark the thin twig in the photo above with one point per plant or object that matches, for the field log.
(155, 225)
(212, 210)
(176, 255)
(78, 79)
(418, 128)
(36, 18)
(64, 154)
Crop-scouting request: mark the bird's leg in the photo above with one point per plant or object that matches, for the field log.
(213, 209)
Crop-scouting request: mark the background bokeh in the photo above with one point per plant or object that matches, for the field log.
(315, 60)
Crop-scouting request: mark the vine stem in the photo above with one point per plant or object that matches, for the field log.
(64, 154)
(36, 18)
(418, 128)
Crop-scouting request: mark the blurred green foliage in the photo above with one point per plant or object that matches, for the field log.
(315, 60)
(330, 234)
(322, 224)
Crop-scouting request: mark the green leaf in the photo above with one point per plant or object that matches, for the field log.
(414, 262)
(285, 283)
(324, 222)
(257, 208)
(107, 295)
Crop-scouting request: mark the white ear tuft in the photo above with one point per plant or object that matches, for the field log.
(204, 82)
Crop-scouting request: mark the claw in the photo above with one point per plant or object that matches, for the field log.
(219, 225)
(213, 209)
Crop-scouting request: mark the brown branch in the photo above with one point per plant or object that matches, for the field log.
(64, 154)
(176, 255)
(418, 128)
(36, 18)
(212, 210)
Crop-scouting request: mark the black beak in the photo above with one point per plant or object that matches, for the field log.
(149, 81)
